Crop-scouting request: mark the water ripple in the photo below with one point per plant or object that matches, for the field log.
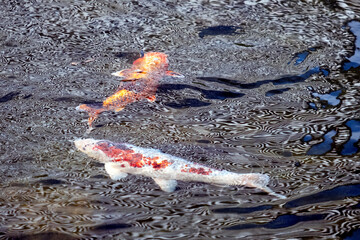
(266, 83)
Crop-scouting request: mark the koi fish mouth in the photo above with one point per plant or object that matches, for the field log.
(83, 144)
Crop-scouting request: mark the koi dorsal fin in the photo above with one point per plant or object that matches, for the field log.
(174, 74)
(165, 184)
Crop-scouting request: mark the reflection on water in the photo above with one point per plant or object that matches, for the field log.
(351, 147)
(347, 148)
(301, 56)
(337, 193)
(282, 221)
(325, 146)
(354, 60)
(327, 99)
(218, 30)
(270, 87)
(284, 80)
(353, 235)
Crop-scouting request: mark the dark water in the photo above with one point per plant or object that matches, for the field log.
(270, 86)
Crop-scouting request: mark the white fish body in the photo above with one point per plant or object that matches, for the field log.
(122, 158)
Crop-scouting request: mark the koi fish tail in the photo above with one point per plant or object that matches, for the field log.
(256, 180)
(93, 111)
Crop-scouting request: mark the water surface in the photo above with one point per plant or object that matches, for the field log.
(269, 87)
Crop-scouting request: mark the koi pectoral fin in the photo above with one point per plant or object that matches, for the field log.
(88, 131)
(121, 73)
(115, 171)
(174, 74)
(166, 185)
(119, 109)
(82, 108)
(92, 118)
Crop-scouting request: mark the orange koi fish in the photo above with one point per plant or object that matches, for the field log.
(122, 158)
(140, 82)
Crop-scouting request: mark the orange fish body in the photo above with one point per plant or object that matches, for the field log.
(140, 82)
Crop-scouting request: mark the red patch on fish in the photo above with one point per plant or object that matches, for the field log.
(135, 160)
(199, 170)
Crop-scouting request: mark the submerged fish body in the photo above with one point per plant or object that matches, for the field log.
(139, 82)
(122, 158)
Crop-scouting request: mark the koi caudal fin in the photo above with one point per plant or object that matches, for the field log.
(256, 180)
(93, 110)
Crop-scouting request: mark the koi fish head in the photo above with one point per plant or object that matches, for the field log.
(89, 146)
(151, 64)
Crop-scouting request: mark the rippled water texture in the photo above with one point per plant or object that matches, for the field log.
(270, 87)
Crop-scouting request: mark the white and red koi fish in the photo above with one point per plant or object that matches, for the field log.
(122, 158)
(140, 82)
